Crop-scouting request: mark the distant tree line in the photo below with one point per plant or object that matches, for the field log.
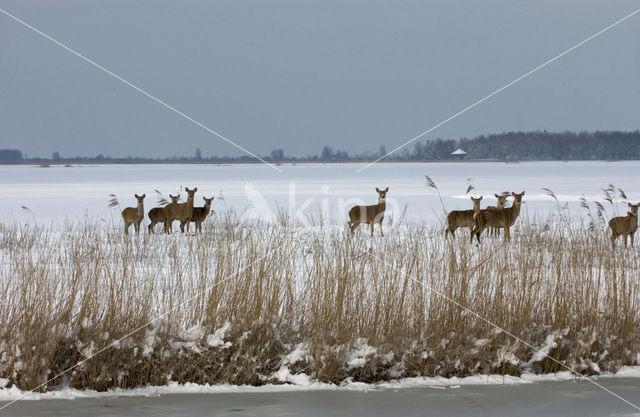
(539, 146)
(526, 146)
(11, 155)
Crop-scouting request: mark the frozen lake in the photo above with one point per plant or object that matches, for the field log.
(567, 398)
(57, 193)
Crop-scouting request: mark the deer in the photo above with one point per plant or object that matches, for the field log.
(624, 225)
(201, 213)
(504, 218)
(369, 214)
(134, 215)
(462, 218)
(156, 214)
(502, 200)
(179, 211)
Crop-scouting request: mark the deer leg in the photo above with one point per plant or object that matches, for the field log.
(451, 230)
(371, 224)
(625, 240)
(631, 236)
(476, 231)
(126, 228)
(507, 234)
(381, 232)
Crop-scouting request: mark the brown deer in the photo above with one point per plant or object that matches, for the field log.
(502, 200)
(462, 218)
(179, 211)
(369, 214)
(156, 214)
(134, 215)
(201, 213)
(504, 218)
(624, 226)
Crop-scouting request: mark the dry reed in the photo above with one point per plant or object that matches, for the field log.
(248, 301)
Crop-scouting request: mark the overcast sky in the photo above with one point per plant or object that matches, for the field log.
(300, 74)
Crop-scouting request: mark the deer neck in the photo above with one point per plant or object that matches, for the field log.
(515, 209)
(140, 211)
(382, 204)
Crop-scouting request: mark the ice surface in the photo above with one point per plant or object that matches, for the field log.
(58, 193)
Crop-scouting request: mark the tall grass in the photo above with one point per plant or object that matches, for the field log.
(242, 303)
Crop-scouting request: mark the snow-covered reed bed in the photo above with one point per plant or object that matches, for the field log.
(256, 304)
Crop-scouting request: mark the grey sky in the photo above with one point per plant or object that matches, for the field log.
(300, 74)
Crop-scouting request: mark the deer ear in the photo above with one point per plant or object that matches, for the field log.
(386, 190)
(480, 199)
(496, 195)
(144, 195)
(522, 193)
(195, 189)
(630, 205)
(377, 190)
(187, 189)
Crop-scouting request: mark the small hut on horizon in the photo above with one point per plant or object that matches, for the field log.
(459, 153)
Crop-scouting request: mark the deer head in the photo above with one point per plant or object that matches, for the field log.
(517, 197)
(191, 193)
(476, 203)
(382, 194)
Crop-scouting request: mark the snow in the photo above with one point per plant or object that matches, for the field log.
(299, 353)
(358, 357)
(217, 338)
(302, 382)
(58, 194)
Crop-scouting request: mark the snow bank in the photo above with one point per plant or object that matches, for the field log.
(302, 382)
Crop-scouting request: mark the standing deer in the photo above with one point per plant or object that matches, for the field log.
(156, 214)
(179, 211)
(462, 218)
(624, 226)
(502, 200)
(504, 218)
(134, 215)
(201, 213)
(369, 214)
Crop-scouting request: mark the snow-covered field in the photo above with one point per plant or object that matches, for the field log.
(320, 304)
(59, 193)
